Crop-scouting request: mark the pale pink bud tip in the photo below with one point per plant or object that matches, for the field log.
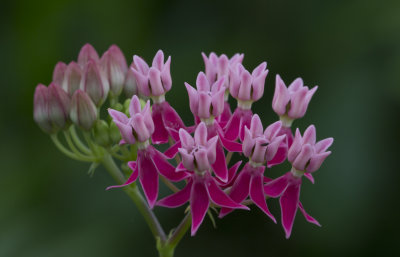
(86, 53)
(94, 83)
(83, 112)
(115, 67)
(41, 109)
(59, 104)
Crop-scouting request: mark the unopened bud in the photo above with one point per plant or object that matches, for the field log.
(59, 103)
(87, 52)
(130, 86)
(83, 111)
(41, 109)
(115, 67)
(94, 83)
(72, 79)
(58, 73)
(101, 133)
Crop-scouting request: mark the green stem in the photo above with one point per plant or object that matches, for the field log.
(67, 152)
(72, 146)
(77, 141)
(180, 231)
(134, 193)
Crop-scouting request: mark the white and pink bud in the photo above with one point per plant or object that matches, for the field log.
(72, 79)
(115, 67)
(130, 84)
(247, 87)
(83, 112)
(87, 53)
(291, 102)
(59, 104)
(305, 153)
(153, 81)
(59, 72)
(261, 146)
(95, 83)
(207, 102)
(41, 109)
(198, 153)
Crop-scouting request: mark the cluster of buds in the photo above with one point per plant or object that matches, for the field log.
(203, 150)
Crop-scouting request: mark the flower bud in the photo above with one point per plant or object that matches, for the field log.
(130, 85)
(58, 73)
(83, 112)
(94, 83)
(41, 109)
(115, 67)
(101, 133)
(87, 52)
(59, 104)
(72, 79)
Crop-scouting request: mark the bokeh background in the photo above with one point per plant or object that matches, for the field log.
(49, 206)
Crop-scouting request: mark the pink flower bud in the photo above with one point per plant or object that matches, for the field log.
(293, 100)
(305, 153)
(130, 85)
(72, 79)
(41, 109)
(115, 67)
(207, 101)
(199, 153)
(59, 104)
(83, 112)
(261, 146)
(94, 83)
(86, 53)
(58, 73)
(156, 80)
(245, 86)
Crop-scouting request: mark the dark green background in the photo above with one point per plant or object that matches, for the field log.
(351, 49)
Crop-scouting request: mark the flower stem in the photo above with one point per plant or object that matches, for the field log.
(67, 152)
(134, 193)
(180, 231)
(77, 141)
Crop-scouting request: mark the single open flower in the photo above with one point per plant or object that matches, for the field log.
(306, 155)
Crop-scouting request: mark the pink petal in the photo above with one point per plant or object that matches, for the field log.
(309, 176)
(173, 150)
(199, 203)
(232, 127)
(219, 166)
(289, 202)
(158, 60)
(307, 216)
(277, 186)
(177, 199)
(231, 146)
(170, 117)
(279, 157)
(165, 168)
(148, 177)
(160, 135)
(132, 178)
(323, 145)
(257, 194)
(219, 197)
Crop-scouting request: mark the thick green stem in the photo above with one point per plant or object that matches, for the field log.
(180, 231)
(134, 193)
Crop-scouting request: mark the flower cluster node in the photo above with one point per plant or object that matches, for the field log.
(80, 89)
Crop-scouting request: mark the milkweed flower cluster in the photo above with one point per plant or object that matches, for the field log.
(203, 150)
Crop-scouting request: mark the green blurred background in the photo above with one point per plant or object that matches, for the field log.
(49, 206)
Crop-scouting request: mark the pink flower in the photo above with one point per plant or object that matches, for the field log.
(246, 88)
(150, 162)
(260, 147)
(306, 155)
(198, 154)
(155, 82)
(291, 102)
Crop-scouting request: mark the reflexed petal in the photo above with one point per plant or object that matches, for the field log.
(165, 168)
(309, 176)
(219, 197)
(277, 186)
(148, 177)
(257, 194)
(173, 150)
(307, 216)
(233, 126)
(171, 118)
(199, 203)
(132, 178)
(160, 135)
(219, 166)
(177, 199)
(231, 146)
(289, 202)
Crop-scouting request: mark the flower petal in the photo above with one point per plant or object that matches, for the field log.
(166, 169)
(309, 176)
(177, 199)
(232, 127)
(199, 203)
(219, 197)
(277, 186)
(257, 194)
(173, 150)
(219, 166)
(160, 135)
(289, 202)
(148, 177)
(307, 216)
(132, 178)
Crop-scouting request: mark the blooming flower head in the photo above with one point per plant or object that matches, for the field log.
(291, 102)
(306, 156)
(207, 102)
(139, 127)
(153, 81)
(261, 146)
(247, 87)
